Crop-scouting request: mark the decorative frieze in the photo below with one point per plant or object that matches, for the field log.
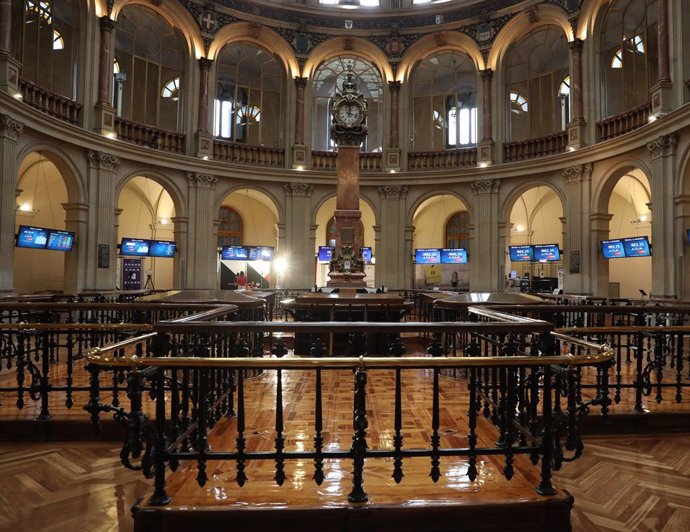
(393, 191)
(487, 186)
(662, 146)
(103, 161)
(197, 179)
(298, 189)
(9, 127)
(579, 172)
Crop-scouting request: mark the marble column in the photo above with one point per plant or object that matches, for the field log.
(662, 92)
(485, 272)
(201, 250)
(102, 236)
(10, 129)
(204, 139)
(662, 152)
(5, 25)
(105, 112)
(9, 65)
(576, 258)
(576, 126)
(682, 209)
(299, 243)
(598, 265)
(392, 153)
(393, 265)
(299, 150)
(485, 148)
(77, 221)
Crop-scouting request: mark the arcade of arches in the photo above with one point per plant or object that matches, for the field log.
(207, 126)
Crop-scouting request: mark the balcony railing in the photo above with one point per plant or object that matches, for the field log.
(159, 139)
(325, 160)
(441, 160)
(617, 125)
(49, 103)
(536, 147)
(245, 154)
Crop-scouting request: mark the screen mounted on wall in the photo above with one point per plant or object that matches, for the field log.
(427, 256)
(134, 247)
(546, 252)
(453, 256)
(366, 254)
(162, 248)
(261, 253)
(612, 249)
(521, 253)
(325, 253)
(234, 253)
(637, 247)
(60, 240)
(32, 237)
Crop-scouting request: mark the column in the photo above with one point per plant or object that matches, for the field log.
(485, 148)
(662, 92)
(201, 250)
(299, 150)
(299, 243)
(486, 273)
(576, 258)
(9, 66)
(204, 139)
(598, 265)
(10, 129)
(181, 237)
(577, 124)
(393, 264)
(101, 244)
(105, 112)
(76, 220)
(682, 204)
(393, 151)
(662, 152)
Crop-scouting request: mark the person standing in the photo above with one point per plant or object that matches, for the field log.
(241, 280)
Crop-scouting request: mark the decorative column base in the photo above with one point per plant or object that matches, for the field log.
(105, 119)
(576, 134)
(485, 152)
(9, 74)
(392, 160)
(204, 145)
(299, 156)
(662, 98)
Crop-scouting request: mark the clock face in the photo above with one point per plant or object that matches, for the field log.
(349, 114)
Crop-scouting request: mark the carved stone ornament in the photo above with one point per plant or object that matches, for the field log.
(579, 172)
(10, 128)
(393, 191)
(201, 180)
(103, 161)
(662, 146)
(488, 186)
(298, 189)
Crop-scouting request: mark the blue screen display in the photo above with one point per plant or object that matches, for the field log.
(234, 253)
(366, 254)
(261, 253)
(134, 247)
(32, 237)
(162, 248)
(325, 253)
(521, 253)
(546, 252)
(612, 249)
(637, 247)
(60, 240)
(453, 256)
(427, 256)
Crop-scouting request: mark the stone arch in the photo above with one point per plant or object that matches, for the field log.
(439, 42)
(327, 197)
(514, 195)
(74, 180)
(604, 188)
(179, 198)
(589, 14)
(349, 45)
(418, 202)
(274, 205)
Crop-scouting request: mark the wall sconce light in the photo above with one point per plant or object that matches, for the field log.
(26, 208)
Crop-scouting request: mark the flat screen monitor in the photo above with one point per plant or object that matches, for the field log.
(32, 237)
(612, 249)
(637, 247)
(261, 253)
(453, 256)
(162, 248)
(60, 240)
(366, 254)
(135, 247)
(234, 253)
(521, 253)
(325, 253)
(546, 252)
(427, 256)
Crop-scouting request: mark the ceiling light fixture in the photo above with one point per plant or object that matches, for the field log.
(349, 4)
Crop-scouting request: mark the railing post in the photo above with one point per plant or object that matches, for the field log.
(44, 384)
(160, 496)
(545, 487)
(359, 439)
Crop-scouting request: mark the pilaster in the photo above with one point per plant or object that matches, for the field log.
(10, 129)
(576, 259)
(76, 220)
(393, 265)
(181, 237)
(486, 273)
(201, 249)
(299, 243)
(598, 265)
(204, 140)
(105, 112)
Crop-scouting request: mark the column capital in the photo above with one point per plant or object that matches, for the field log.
(576, 45)
(205, 63)
(200, 180)
(394, 85)
(301, 82)
(577, 173)
(662, 146)
(393, 191)
(107, 24)
(298, 189)
(103, 161)
(9, 127)
(487, 74)
(487, 186)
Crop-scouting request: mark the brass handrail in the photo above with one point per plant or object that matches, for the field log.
(76, 326)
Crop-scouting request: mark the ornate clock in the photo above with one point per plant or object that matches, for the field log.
(349, 114)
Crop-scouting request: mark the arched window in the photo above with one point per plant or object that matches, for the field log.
(369, 81)
(250, 96)
(564, 95)
(628, 55)
(457, 230)
(58, 41)
(151, 54)
(443, 102)
(535, 68)
(230, 227)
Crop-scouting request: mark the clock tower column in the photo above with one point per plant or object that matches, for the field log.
(348, 131)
